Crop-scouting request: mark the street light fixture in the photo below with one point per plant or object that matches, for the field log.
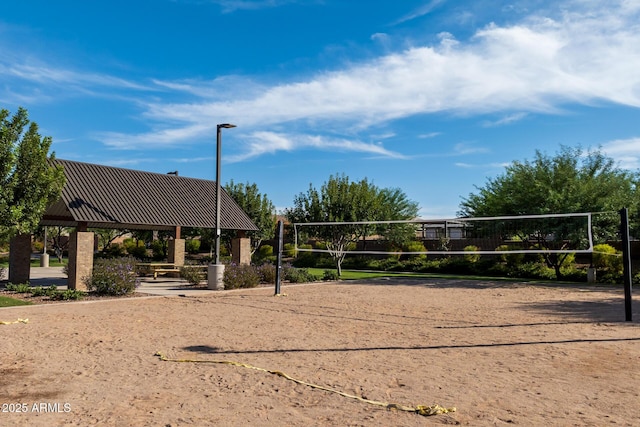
(216, 271)
(218, 156)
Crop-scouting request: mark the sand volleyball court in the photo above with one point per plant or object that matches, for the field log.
(500, 353)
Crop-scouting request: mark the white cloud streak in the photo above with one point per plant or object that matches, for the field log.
(420, 11)
(229, 6)
(507, 120)
(39, 73)
(540, 65)
(588, 54)
(260, 143)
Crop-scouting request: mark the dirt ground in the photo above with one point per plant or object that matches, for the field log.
(500, 353)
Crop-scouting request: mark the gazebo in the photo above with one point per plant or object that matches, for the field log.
(96, 196)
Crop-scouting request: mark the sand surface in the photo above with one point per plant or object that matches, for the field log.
(501, 353)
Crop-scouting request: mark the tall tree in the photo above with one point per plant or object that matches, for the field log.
(571, 181)
(29, 183)
(341, 200)
(258, 207)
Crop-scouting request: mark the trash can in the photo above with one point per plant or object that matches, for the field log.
(215, 277)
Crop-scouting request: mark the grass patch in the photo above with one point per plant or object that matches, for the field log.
(369, 274)
(53, 262)
(35, 262)
(11, 302)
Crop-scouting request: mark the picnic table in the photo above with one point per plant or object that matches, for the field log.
(155, 268)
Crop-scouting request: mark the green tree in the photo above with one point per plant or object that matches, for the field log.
(571, 181)
(29, 182)
(258, 207)
(341, 200)
(395, 205)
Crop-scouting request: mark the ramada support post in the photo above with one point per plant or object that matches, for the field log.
(175, 253)
(81, 244)
(20, 258)
(241, 249)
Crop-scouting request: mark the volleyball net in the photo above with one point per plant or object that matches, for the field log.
(546, 234)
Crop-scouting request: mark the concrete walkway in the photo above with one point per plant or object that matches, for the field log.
(47, 276)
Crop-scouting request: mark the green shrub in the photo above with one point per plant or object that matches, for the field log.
(66, 295)
(138, 252)
(608, 258)
(298, 275)
(289, 250)
(39, 291)
(267, 273)
(306, 259)
(159, 251)
(21, 288)
(192, 246)
(533, 271)
(415, 246)
(114, 276)
(512, 259)
(330, 275)
(569, 259)
(115, 250)
(471, 258)
(265, 251)
(192, 274)
(53, 293)
(386, 264)
(240, 276)
(573, 274)
(414, 264)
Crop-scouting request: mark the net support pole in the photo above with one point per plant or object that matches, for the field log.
(626, 262)
(280, 233)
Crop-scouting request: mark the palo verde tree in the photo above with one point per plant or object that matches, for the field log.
(342, 200)
(29, 183)
(258, 207)
(571, 181)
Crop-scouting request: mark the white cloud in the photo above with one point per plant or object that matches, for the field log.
(159, 138)
(625, 151)
(43, 73)
(483, 166)
(260, 143)
(506, 120)
(229, 6)
(588, 54)
(28, 82)
(540, 65)
(463, 148)
(420, 11)
(429, 135)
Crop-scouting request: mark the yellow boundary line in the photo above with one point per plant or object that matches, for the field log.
(419, 409)
(15, 321)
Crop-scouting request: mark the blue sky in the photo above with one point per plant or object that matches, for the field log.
(429, 96)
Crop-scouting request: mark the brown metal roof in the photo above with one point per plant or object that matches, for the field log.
(109, 197)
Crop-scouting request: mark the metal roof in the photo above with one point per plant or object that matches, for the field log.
(110, 197)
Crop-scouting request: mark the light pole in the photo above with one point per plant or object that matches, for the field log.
(217, 273)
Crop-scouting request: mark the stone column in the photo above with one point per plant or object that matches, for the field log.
(80, 259)
(241, 250)
(175, 252)
(20, 259)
